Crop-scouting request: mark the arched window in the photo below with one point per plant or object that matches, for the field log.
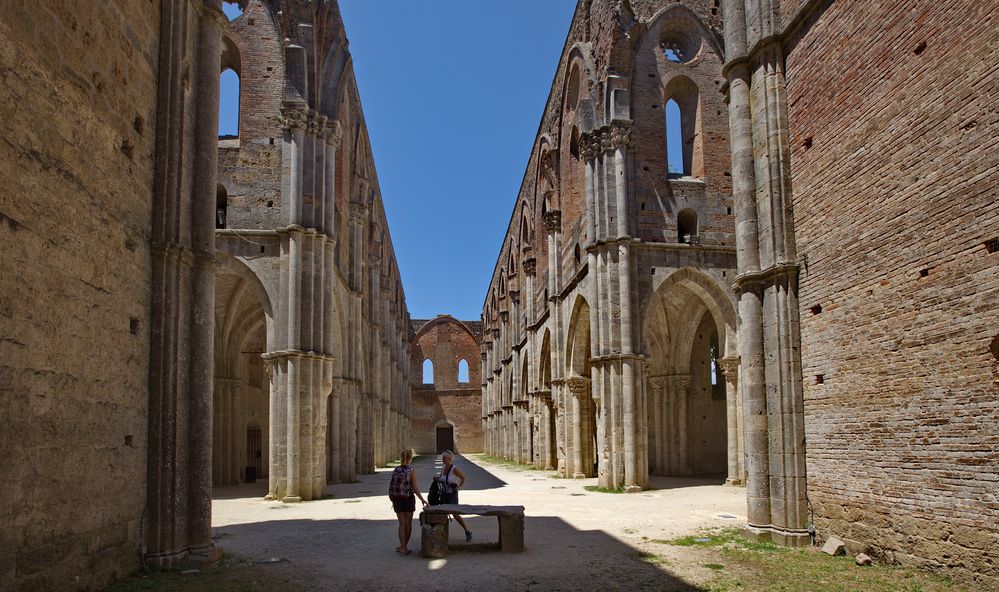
(428, 372)
(229, 104)
(221, 206)
(232, 10)
(686, 226)
(574, 144)
(463, 371)
(674, 141)
(525, 232)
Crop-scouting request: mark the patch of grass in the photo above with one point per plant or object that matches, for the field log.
(495, 460)
(646, 557)
(598, 489)
(750, 565)
(722, 537)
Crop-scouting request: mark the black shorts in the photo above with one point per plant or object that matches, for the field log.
(406, 504)
(451, 497)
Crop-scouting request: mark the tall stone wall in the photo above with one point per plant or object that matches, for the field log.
(446, 341)
(895, 161)
(78, 87)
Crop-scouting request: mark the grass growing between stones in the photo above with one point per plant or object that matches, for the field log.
(598, 489)
(509, 464)
(745, 565)
(230, 575)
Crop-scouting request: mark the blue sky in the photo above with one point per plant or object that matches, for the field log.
(452, 92)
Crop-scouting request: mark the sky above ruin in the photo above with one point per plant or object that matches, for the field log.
(452, 92)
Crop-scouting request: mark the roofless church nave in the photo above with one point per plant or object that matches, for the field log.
(793, 291)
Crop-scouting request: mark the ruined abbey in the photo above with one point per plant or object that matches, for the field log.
(806, 304)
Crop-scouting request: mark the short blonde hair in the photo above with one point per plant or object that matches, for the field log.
(406, 455)
(448, 454)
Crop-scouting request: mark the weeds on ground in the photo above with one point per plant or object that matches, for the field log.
(742, 564)
(229, 575)
(598, 489)
(495, 460)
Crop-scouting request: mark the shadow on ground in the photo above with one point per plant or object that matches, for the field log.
(349, 554)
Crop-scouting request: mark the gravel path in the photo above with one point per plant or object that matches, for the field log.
(576, 539)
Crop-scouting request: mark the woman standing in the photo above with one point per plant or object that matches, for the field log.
(453, 479)
(403, 491)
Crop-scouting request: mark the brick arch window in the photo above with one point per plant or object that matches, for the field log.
(229, 89)
(428, 371)
(684, 152)
(233, 10)
(686, 226)
(463, 371)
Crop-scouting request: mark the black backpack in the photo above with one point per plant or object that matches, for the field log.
(436, 495)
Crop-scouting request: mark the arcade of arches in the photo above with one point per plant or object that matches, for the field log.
(190, 310)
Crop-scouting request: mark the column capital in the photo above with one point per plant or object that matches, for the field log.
(316, 124)
(578, 385)
(620, 134)
(678, 381)
(294, 116)
(333, 134)
(515, 296)
(531, 266)
(589, 145)
(657, 383)
(729, 366)
(358, 213)
(553, 221)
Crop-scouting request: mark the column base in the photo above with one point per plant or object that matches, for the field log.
(786, 538)
(734, 481)
(579, 476)
(270, 497)
(632, 489)
(291, 499)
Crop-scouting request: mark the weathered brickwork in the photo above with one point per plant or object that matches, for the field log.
(78, 89)
(895, 163)
(447, 403)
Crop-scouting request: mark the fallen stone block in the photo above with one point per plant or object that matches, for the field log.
(864, 559)
(834, 546)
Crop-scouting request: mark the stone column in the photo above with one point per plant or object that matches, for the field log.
(581, 461)
(730, 369)
(677, 386)
(658, 384)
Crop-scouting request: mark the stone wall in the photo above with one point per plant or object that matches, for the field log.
(78, 89)
(894, 140)
(445, 341)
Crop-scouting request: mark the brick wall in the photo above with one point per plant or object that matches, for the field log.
(78, 89)
(894, 137)
(445, 341)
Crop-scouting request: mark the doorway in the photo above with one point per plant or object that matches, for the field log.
(254, 454)
(445, 438)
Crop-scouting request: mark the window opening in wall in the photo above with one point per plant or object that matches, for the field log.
(673, 51)
(714, 360)
(686, 226)
(221, 206)
(674, 140)
(229, 104)
(574, 144)
(232, 10)
(575, 252)
(463, 371)
(994, 347)
(428, 372)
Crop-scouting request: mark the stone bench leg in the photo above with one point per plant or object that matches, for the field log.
(511, 534)
(434, 535)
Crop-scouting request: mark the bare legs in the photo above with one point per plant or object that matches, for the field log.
(405, 531)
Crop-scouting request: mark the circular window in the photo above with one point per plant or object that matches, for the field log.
(677, 47)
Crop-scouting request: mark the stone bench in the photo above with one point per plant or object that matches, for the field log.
(434, 521)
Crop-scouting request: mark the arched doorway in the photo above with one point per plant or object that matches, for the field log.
(241, 405)
(692, 400)
(582, 457)
(444, 437)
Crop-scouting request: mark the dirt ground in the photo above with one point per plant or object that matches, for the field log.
(576, 539)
